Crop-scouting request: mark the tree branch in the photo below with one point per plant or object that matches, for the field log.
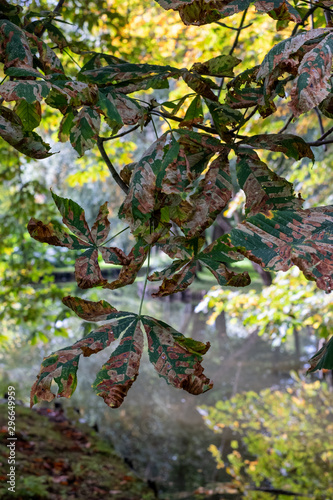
(104, 139)
(210, 130)
(113, 171)
(234, 45)
(286, 125)
(306, 16)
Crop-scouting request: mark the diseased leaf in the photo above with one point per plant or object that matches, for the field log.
(289, 144)
(118, 374)
(174, 358)
(65, 127)
(223, 116)
(199, 85)
(264, 189)
(130, 269)
(88, 310)
(282, 238)
(56, 36)
(61, 366)
(14, 46)
(280, 54)
(122, 72)
(29, 90)
(28, 143)
(87, 271)
(85, 129)
(67, 93)
(323, 359)
(312, 84)
(210, 198)
(221, 66)
(180, 274)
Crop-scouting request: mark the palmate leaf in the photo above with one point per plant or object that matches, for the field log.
(264, 189)
(62, 365)
(181, 273)
(30, 114)
(175, 357)
(87, 271)
(279, 239)
(323, 359)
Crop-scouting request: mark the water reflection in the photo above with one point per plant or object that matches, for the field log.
(158, 429)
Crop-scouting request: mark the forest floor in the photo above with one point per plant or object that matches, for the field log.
(58, 460)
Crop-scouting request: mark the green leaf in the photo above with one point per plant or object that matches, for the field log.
(264, 189)
(175, 358)
(106, 103)
(323, 359)
(85, 130)
(30, 114)
(223, 116)
(120, 371)
(65, 127)
(283, 238)
(194, 113)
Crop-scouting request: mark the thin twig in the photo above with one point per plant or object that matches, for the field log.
(321, 126)
(253, 112)
(232, 28)
(55, 11)
(304, 18)
(178, 119)
(286, 125)
(104, 139)
(234, 45)
(329, 131)
(113, 171)
(319, 143)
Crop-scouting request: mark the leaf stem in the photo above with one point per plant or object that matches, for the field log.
(113, 171)
(113, 237)
(145, 284)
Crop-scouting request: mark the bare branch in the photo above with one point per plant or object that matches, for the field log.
(104, 139)
(113, 171)
(286, 125)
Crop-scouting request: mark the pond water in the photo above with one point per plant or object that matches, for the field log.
(158, 429)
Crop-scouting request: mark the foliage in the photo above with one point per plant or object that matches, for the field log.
(182, 182)
(288, 305)
(278, 442)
